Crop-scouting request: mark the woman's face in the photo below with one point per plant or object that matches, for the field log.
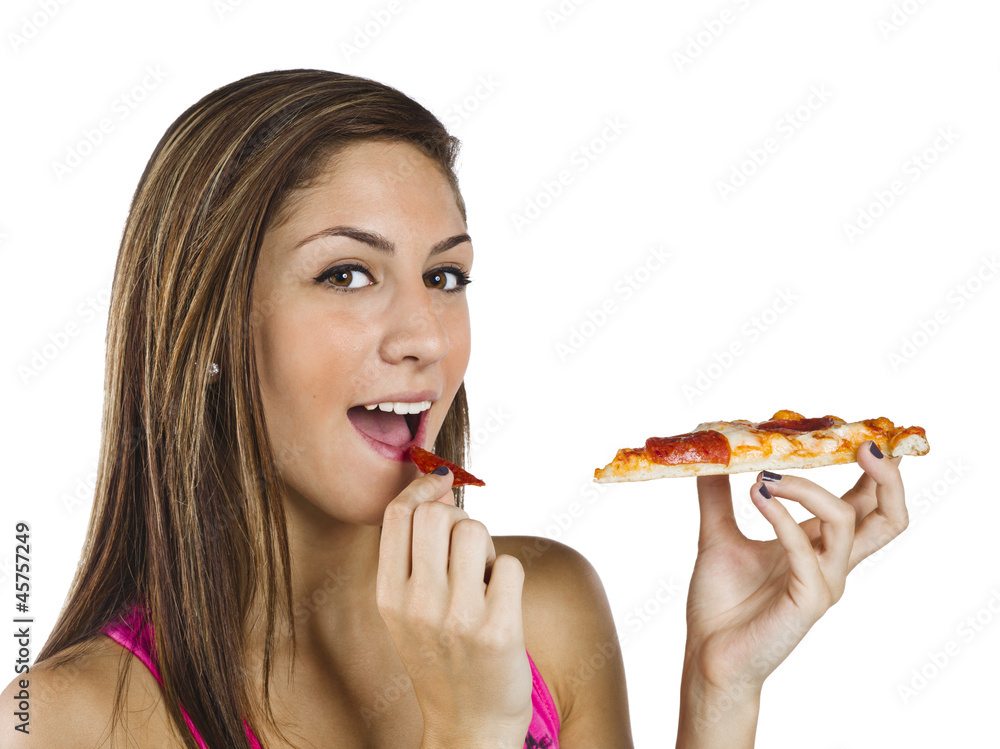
(358, 300)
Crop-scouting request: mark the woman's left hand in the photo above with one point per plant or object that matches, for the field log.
(751, 602)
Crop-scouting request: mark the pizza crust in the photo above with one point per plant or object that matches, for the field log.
(757, 450)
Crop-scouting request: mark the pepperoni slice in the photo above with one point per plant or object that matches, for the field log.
(796, 425)
(427, 461)
(707, 446)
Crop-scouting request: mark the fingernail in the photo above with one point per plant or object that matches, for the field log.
(764, 492)
(768, 476)
(875, 451)
(441, 470)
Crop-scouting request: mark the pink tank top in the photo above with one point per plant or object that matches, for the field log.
(134, 633)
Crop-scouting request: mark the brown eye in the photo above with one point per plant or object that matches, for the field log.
(447, 279)
(345, 277)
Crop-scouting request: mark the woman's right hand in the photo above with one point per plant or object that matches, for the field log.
(460, 637)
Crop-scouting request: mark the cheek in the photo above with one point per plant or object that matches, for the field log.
(304, 370)
(305, 363)
(460, 338)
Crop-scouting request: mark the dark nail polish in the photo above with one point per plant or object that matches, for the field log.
(768, 476)
(764, 492)
(440, 470)
(875, 451)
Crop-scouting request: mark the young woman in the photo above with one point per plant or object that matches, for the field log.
(288, 314)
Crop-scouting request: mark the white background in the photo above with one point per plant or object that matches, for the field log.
(527, 88)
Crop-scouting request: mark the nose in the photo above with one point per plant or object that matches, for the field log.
(414, 330)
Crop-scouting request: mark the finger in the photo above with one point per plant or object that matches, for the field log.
(715, 503)
(861, 497)
(395, 544)
(807, 578)
(503, 593)
(472, 554)
(836, 520)
(889, 518)
(433, 523)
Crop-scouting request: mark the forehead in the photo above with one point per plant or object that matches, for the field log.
(398, 158)
(386, 168)
(376, 177)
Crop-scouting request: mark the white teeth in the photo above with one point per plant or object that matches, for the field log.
(400, 407)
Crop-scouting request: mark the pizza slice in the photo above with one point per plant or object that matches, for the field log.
(787, 440)
(427, 461)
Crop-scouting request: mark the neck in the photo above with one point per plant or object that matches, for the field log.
(334, 566)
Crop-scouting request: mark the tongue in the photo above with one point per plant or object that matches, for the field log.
(383, 426)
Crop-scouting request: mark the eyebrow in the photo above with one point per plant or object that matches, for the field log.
(377, 241)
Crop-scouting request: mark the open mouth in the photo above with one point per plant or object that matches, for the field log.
(387, 427)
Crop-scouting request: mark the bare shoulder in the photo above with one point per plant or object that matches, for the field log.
(569, 630)
(70, 700)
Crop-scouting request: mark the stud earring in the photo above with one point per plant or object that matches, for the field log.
(213, 372)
